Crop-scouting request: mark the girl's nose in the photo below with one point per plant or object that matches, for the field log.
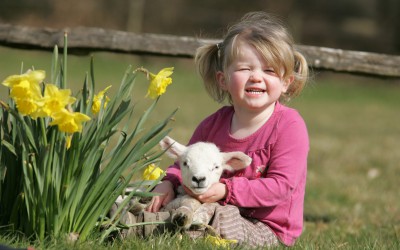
(255, 76)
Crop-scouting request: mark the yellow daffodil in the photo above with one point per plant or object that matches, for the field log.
(152, 172)
(28, 106)
(159, 82)
(97, 99)
(69, 122)
(56, 99)
(32, 76)
(218, 241)
(25, 90)
(28, 100)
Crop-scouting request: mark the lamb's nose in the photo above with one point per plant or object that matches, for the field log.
(198, 180)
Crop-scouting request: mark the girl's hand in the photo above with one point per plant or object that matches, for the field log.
(216, 192)
(166, 189)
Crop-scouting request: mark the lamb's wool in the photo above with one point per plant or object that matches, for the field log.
(201, 166)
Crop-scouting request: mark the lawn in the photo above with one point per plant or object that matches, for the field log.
(352, 199)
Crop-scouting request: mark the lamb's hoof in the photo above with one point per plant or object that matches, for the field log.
(181, 220)
(136, 206)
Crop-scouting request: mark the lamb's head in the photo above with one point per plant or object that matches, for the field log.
(202, 163)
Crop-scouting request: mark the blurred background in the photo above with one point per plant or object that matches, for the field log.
(367, 25)
(352, 197)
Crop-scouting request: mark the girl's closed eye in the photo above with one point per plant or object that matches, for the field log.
(270, 71)
(239, 66)
(243, 68)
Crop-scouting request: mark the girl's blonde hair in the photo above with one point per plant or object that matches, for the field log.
(269, 37)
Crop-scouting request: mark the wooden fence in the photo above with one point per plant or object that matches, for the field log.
(85, 40)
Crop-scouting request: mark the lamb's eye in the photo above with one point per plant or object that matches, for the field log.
(185, 163)
(216, 167)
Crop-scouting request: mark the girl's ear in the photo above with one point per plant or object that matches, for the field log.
(221, 80)
(287, 82)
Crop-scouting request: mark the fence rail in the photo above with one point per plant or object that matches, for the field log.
(84, 39)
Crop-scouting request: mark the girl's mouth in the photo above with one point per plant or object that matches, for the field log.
(255, 91)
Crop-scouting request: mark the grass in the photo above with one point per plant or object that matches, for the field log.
(352, 199)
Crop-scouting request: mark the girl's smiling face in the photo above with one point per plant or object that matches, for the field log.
(251, 82)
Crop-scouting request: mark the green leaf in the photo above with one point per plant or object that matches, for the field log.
(9, 147)
(54, 65)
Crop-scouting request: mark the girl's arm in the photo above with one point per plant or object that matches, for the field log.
(287, 170)
(173, 175)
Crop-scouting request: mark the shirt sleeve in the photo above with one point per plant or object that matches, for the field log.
(287, 168)
(173, 174)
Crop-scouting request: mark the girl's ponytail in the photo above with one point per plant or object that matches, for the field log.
(208, 64)
(300, 76)
(301, 66)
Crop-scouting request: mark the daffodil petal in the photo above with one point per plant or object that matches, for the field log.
(158, 83)
(152, 172)
(56, 99)
(69, 122)
(35, 76)
(97, 99)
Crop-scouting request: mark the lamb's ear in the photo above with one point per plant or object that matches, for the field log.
(173, 148)
(236, 160)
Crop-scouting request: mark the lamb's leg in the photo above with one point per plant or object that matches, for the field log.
(204, 213)
(136, 205)
(182, 210)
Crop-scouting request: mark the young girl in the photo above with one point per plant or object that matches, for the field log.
(255, 67)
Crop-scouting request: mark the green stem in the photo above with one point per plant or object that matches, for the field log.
(43, 128)
(42, 225)
(64, 82)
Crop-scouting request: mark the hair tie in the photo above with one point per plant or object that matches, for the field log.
(219, 47)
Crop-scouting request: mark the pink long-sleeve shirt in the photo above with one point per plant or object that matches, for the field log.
(272, 188)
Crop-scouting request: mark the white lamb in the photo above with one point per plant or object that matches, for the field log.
(201, 166)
